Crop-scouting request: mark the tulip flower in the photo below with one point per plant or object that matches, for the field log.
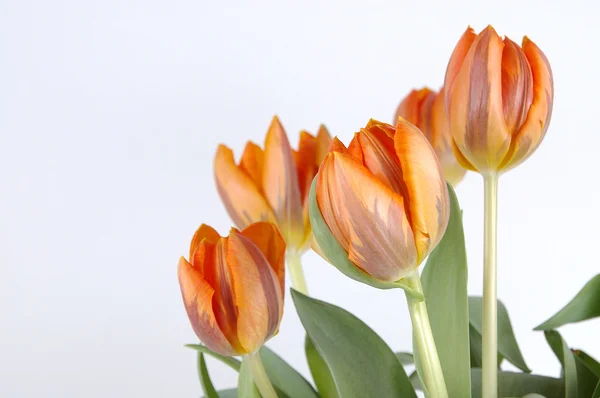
(384, 198)
(272, 185)
(499, 102)
(232, 288)
(426, 109)
(385, 201)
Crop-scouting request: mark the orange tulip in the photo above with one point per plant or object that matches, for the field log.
(232, 287)
(426, 109)
(384, 198)
(272, 185)
(499, 100)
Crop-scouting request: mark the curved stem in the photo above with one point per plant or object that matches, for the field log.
(489, 364)
(259, 375)
(424, 342)
(296, 273)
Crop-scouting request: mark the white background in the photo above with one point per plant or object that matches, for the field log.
(110, 113)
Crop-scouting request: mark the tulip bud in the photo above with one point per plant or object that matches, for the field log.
(499, 100)
(384, 199)
(426, 109)
(232, 287)
(272, 185)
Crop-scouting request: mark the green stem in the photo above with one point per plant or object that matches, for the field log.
(296, 272)
(424, 342)
(489, 368)
(259, 375)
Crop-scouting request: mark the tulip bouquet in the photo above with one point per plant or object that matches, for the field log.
(376, 209)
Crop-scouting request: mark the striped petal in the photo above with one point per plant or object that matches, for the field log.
(241, 196)
(440, 139)
(252, 163)
(323, 144)
(280, 185)
(379, 157)
(426, 190)
(531, 133)
(517, 86)
(368, 216)
(258, 294)
(305, 159)
(198, 299)
(415, 108)
(267, 238)
(457, 58)
(474, 102)
(206, 233)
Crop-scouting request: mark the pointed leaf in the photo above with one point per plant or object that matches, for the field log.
(246, 387)
(567, 360)
(319, 371)
(361, 363)
(405, 358)
(511, 384)
(585, 305)
(507, 343)
(229, 393)
(229, 361)
(588, 361)
(205, 382)
(337, 256)
(285, 378)
(444, 281)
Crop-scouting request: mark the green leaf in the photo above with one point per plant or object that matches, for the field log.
(361, 363)
(567, 360)
(319, 371)
(229, 393)
(444, 281)
(588, 361)
(596, 391)
(285, 378)
(205, 382)
(507, 343)
(512, 384)
(338, 257)
(585, 305)
(229, 361)
(476, 345)
(405, 358)
(246, 387)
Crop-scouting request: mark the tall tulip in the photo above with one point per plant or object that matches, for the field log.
(426, 109)
(273, 185)
(499, 102)
(232, 288)
(385, 201)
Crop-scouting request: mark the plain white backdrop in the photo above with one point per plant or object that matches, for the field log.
(110, 113)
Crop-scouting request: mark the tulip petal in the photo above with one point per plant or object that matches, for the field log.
(474, 102)
(252, 163)
(416, 108)
(323, 144)
(198, 298)
(242, 198)
(529, 137)
(305, 159)
(205, 232)
(385, 128)
(366, 217)
(259, 297)
(218, 274)
(379, 157)
(440, 139)
(517, 86)
(426, 190)
(267, 238)
(457, 58)
(280, 184)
